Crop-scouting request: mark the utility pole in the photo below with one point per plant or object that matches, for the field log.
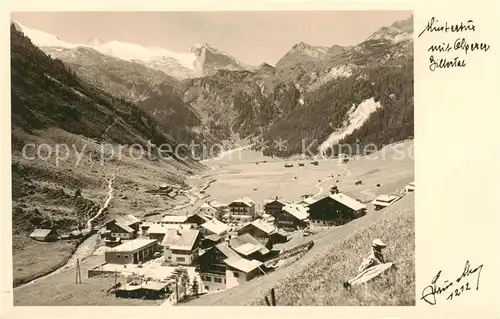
(115, 287)
(78, 278)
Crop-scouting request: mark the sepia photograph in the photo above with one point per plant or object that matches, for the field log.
(212, 158)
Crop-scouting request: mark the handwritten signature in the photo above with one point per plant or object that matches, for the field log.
(451, 289)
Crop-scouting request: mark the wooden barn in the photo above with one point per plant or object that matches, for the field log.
(292, 216)
(335, 209)
(274, 207)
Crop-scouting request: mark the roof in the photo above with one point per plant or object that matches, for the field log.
(296, 210)
(147, 285)
(39, 232)
(158, 229)
(247, 249)
(215, 226)
(124, 227)
(308, 200)
(283, 202)
(217, 204)
(242, 240)
(213, 237)
(245, 200)
(348, 201)
(134, 245)
(264, 226)
(128, 220)
(242, 264)
(207, 205)
(226, 250)
(260, 224)
(180, 239)
(386, 198)
(174, 219)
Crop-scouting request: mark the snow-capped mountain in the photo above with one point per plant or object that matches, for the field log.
(399, 31)
(200, 60)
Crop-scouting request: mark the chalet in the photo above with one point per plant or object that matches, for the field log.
(181, 246)
(132, 252)
(242, 209)
(257, 228)
(210, 241)
(44, 234)
(384, 200)
(212, 267)
(197, 219)
(144, 290)
(240, 270)
(249, 247)
(117, 230)
(275, 206)
(173, 219)
(214, 227)
(130, 221)
(335, 209)
(158, 232)
(208, 210)
(292, 216)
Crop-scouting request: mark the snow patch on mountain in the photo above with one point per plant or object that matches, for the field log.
(334, 73)
(41, 38)
(357, 116)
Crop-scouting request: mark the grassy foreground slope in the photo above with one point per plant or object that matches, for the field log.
(316, 278)
(319, 283)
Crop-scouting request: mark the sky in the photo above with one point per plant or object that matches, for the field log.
(252, 37)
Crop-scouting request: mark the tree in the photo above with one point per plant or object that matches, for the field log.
(182, 281)
(195, 287)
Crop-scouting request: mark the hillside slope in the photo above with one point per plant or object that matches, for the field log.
(68, 139)
(331, 265)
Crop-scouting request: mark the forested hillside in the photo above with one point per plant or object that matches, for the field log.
(325, 110)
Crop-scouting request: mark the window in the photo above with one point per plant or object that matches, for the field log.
(218, 280)
(118, 256)
(126, 256)
(224, 280)
(206, 288)
(236, 274)
(181, 259)
(208, 278)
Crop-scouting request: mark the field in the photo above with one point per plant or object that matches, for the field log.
(239, 175)
(388, 167)
(37, 258)
(61, 290)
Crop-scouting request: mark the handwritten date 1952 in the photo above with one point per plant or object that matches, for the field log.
(452, 289)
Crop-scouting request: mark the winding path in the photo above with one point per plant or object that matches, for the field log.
(86, 247)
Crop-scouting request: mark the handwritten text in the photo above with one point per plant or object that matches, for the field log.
(458, 47)
(452, 289)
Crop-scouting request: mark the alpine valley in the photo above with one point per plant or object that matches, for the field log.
(95, 96)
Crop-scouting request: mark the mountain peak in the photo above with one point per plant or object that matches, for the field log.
(95, 42)
(301, 46)
(397, 32)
